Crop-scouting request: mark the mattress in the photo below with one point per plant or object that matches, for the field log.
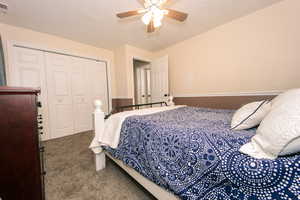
(193, 153)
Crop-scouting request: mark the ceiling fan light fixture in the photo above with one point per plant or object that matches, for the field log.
(157, 23)
(158, 14)
(147, 18)
(153, 14)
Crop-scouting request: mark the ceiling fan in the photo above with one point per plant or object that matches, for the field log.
(153, 13)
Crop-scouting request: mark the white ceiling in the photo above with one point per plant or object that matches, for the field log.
(94, 21)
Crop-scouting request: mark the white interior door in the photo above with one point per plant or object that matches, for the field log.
(160, 79)
(98, 84)
(28, 70)
(143, 97)
(141, 85)
(59, 81)
(148, 77)
(81, 99)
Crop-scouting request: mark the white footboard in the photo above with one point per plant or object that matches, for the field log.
(99, 128)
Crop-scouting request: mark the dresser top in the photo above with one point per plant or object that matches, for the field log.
(18, 90)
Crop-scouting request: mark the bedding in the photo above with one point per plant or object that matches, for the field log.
(279, 132)
(110, 136)
(250, 115)
(193, 153)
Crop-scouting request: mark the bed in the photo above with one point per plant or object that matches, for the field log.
(191, 153)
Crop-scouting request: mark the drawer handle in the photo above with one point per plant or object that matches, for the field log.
(39, 104)
(42, 149)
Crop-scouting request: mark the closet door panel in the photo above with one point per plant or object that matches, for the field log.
(81, 99)
(59, 95)
(28, 70)
(98, 84)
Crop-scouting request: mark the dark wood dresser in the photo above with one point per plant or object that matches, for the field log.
(21, 155)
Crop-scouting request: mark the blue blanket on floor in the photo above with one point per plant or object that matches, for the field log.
(193, 153)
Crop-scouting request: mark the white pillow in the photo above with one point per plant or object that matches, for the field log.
(250, 115)
(279, 132)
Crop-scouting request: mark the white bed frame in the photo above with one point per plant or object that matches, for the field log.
(154, 189)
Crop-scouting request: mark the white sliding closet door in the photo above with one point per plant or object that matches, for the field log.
(98, 87)
(27, 70)
(59, 84)
(69, 85)
(81, 97)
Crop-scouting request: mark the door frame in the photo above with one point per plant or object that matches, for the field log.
(148, 64)
(141, 58)
(10, 44)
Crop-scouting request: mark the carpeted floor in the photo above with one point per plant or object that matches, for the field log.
(71, 174)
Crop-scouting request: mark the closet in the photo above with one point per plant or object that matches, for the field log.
(69, 85)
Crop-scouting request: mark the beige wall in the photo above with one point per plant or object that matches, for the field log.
(42, 40)
(121, 72)
(259, 52)
(124, 68)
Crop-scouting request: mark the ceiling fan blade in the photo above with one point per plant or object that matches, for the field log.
(129, 13)
(150, 27)
(177, 15)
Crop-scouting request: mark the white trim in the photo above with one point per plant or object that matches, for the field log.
(109, 82)
(54, 50)
(140, 58)
(228, 94)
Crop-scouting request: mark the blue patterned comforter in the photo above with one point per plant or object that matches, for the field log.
(193, 153)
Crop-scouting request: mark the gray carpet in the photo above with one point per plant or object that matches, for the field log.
(71, 174)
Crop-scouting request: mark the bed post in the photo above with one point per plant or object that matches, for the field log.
(99, 128)
(170, 101)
